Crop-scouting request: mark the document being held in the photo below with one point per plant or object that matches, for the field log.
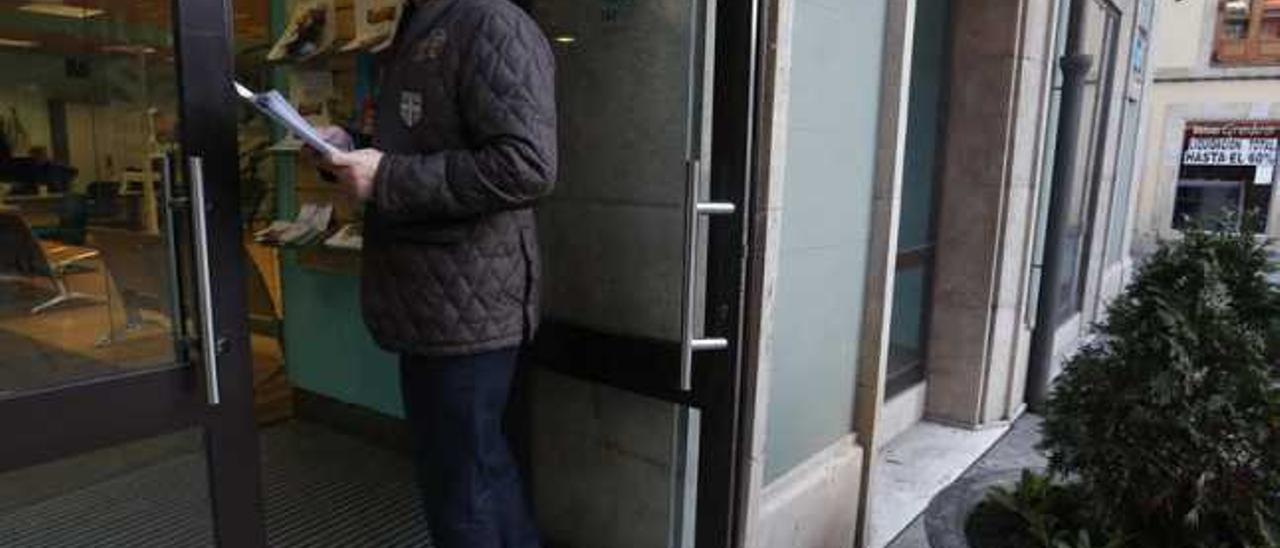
(275, 107)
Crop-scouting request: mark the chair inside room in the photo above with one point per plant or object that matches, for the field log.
(132, 260)
(24, 255)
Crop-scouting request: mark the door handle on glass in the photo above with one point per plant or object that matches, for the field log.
(695, 210)
(204, 283)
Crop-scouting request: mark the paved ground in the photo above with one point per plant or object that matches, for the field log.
(1016, 450)
(916, 466)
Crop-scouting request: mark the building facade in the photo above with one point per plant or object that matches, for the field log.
(954, 224)
(1208, 149)
(805, 261)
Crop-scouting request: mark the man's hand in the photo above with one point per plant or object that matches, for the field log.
(355, 170)
(333, 135)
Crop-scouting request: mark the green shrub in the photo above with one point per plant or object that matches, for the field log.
(1169, 423)
(1037, 512)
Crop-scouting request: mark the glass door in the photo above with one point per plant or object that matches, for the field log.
(643, 248)
(123, 395)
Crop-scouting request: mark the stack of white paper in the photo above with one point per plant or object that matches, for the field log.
(274, 106)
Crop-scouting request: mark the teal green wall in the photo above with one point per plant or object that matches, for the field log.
(327, 348)
(826, 212)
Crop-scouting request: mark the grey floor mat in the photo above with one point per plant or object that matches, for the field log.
(320, 489)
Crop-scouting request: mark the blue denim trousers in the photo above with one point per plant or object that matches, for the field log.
(470, 484)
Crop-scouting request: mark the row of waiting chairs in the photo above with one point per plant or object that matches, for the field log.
(133, 260)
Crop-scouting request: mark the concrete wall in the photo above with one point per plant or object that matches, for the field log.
(613, 231)
(810, 506)
(605, 472)
(987, 202)
(1183, 34)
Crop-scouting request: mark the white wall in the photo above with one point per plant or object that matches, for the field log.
(32, 111)
(1179, 38)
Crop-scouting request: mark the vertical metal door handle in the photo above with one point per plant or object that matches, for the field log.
(695, 210)
(204, 286)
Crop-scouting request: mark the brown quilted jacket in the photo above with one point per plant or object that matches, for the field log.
(466, 121)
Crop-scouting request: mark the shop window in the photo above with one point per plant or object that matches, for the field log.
(1226, 175)
(908, 333)
(1248, 32)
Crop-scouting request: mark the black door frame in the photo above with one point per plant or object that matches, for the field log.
(103, 412)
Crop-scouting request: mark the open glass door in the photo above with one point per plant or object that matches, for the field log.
(123, 391)
(643, 253)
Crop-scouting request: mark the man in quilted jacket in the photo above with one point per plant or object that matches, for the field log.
(463, 146)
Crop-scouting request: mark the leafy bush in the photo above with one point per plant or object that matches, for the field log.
(1169, 424)
(1036, 512)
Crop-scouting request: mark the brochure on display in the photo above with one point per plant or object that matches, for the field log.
(376, 22)
(348, 237)
(311, 31)
(311, 224)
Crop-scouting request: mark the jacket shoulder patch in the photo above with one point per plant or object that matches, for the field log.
(430, 48)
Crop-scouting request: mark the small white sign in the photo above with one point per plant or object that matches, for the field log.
(1230, 151)
(1264, 175)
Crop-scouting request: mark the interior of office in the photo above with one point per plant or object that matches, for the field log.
(88, 115)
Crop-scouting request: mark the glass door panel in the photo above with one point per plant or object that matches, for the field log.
(624, 253)
(109, 434)
(614, 231)
(89, 103)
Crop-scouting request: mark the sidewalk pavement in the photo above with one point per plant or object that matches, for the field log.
(1015, 451)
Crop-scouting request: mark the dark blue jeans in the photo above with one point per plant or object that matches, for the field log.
(470, 484)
